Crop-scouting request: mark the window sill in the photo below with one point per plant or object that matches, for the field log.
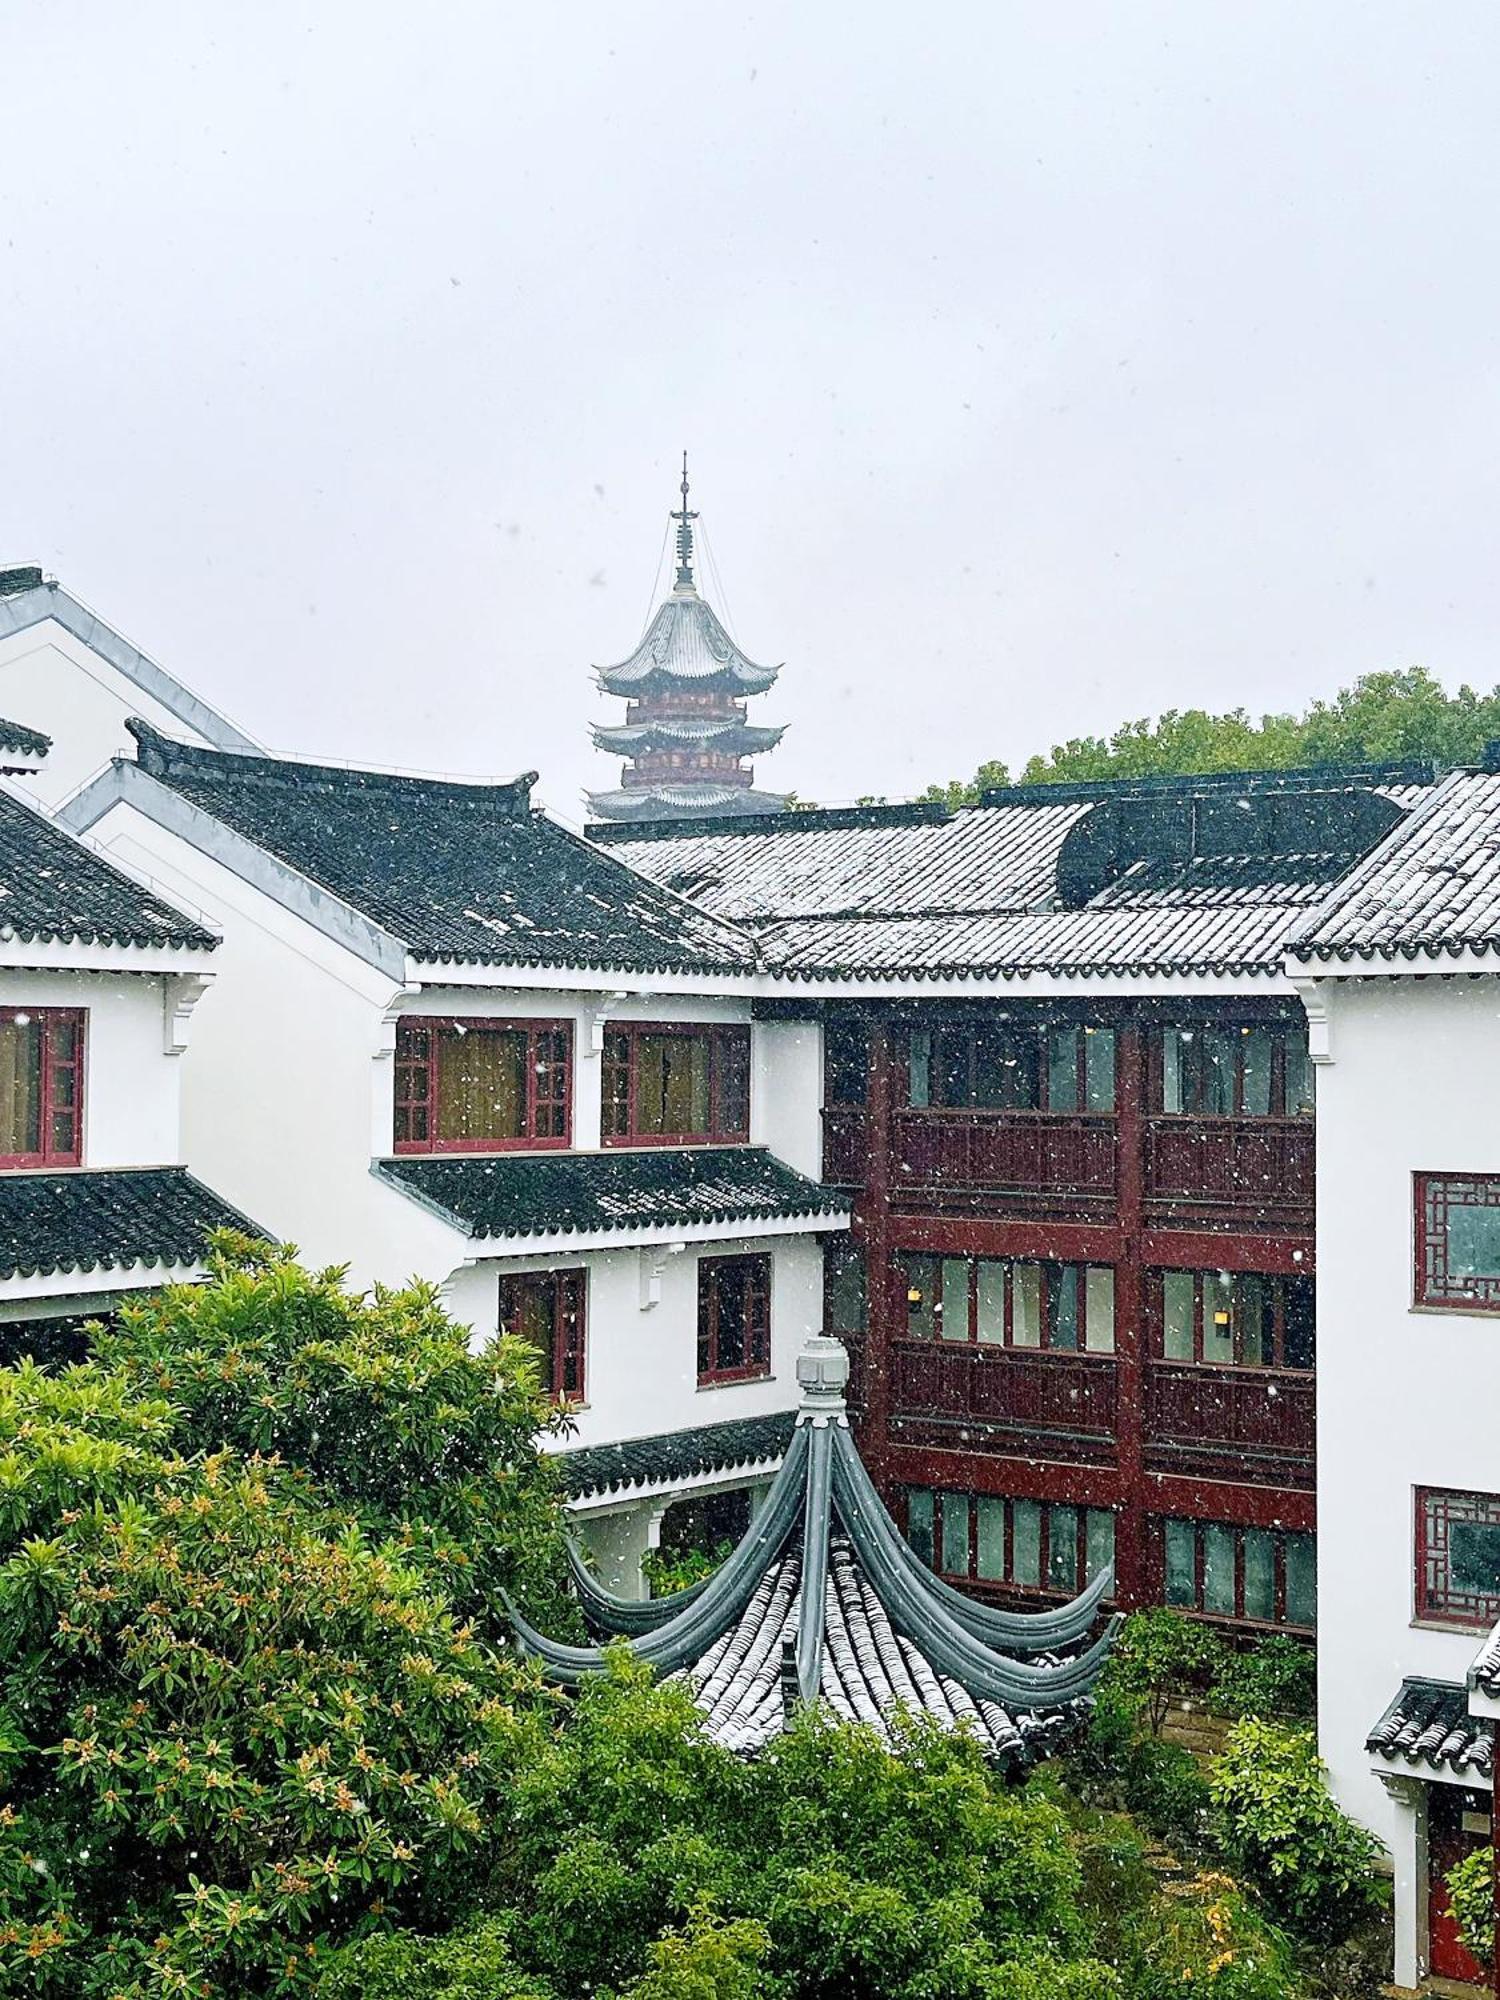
(1451, 1626)
(419, 1149)
(1458, 1309)
(734, 1381)
(620, 1140)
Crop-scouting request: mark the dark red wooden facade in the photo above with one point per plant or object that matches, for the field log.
(1148, 1437)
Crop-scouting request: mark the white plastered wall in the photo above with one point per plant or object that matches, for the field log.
(131, 1085)
(1405, 1398)
(641, 1361)
(52, 681)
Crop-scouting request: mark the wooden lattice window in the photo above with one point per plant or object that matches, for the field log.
(1024, 1544)
(734, 1318)
(1259, 1576)
(548, 1309)
(1458, 1557)
(1242, 1319)
(666, 1084)
(480, 1086)
(1458, 1242)
(41, 1086)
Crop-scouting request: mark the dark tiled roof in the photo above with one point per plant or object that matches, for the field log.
(19, 577)
(1431, 889)
(1190, 876)
(469, 873)
(1429, 1723)
(581, 1194)
(107, 1220)
(1484, 1673)
(651, 1461)
(53, 887)
(21, 741)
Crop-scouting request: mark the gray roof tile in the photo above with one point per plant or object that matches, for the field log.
(53, 888)
(1428, 1722)
(650, 1461)
(109, 1219)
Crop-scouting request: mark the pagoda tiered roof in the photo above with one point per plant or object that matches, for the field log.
(727, 734)
(686, 645)
(823, 1602)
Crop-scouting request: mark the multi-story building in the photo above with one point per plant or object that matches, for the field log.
(1401, 981)
(451, 1039)
(1067, 1081)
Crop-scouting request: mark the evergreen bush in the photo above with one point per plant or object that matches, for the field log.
(1471, 1894)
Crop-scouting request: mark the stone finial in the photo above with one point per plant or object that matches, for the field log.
(823, 1374)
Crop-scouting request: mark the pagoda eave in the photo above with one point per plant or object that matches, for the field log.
(684, 802)
(731, 738)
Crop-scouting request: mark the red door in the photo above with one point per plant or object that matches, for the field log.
(1447, 1843)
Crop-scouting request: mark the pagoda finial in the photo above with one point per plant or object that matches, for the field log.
(684, 518)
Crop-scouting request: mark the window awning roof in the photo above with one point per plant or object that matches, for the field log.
(112, 1219)
(1427, 1728)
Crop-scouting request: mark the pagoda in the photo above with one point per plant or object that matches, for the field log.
(685, 737)
(823, 1602)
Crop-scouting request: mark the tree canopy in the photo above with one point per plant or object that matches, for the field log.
(1385, 716)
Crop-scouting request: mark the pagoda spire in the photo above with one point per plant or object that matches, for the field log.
(685, 736)
(684, 516)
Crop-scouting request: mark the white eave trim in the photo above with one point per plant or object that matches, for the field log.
(1423, 964)
(1429, 1774)
(70, 955)
(733, 1229)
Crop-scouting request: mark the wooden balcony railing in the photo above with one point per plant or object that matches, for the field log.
(1034, 1152)
(845, 1144)
(1241, 1164)
(1257, 1411)
(1004, 1385)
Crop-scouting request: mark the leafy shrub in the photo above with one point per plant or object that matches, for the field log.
(1161, 1653)
(1202, 1934)
(376, 1400)
(473, 1962)
(667, 1570)
(1161, 1783)
(1276, 1678)
(1471, 1893)
(1311, 1864)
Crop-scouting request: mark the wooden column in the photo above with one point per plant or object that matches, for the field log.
(874, 1213)
(1132, 1560)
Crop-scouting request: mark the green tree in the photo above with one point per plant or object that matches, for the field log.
(373, 1399)
(232, 1727)
(1383, 716)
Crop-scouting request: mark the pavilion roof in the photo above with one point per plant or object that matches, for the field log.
(824, 1602)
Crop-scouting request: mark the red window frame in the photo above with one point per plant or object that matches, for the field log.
(1052, 1521)
(566, 1294)
(1438, 1508)
(549, 1083)
(1195, 1071)
(753, 1274)
(1047, 1268)
(728, 1084)
(60, 1124)
(1280, 1537)
(1276, 1307)
(1432, 1286)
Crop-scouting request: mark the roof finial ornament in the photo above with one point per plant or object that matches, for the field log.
(684, 517)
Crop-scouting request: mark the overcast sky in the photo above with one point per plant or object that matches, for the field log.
(1041, 365)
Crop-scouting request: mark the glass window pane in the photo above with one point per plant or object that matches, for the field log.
(1004, 1070)
(732, 1318)
(1026, 1305)
(731, 1053)
(955, 1534)
(1062, 1069)
(1300, 1075)
(1218, 1317)
(481, 1085)
(1301, 1580)
(1177, 1315)
(1062, 1549)
(1218, 1568)
(846, 1062)
(919, 1069)
(951, 1081)
(1255, 1054)
(921, 1275)
(1474, 1557)
(1099, 1069)
(21, 1086)
(1217, 1053)
(1171, 1069)
(990, 1560)
(1300, 1342)
(844, 1288)
(953, 1311)
(1181, 1539)
(1253, 1320)
(1099, 1320)
(919, 1521)
(1100, 1532)
(991, 1298)
(1473, 1241)
(1062, 1306)
(1026, 1541)
(1260, 1575)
